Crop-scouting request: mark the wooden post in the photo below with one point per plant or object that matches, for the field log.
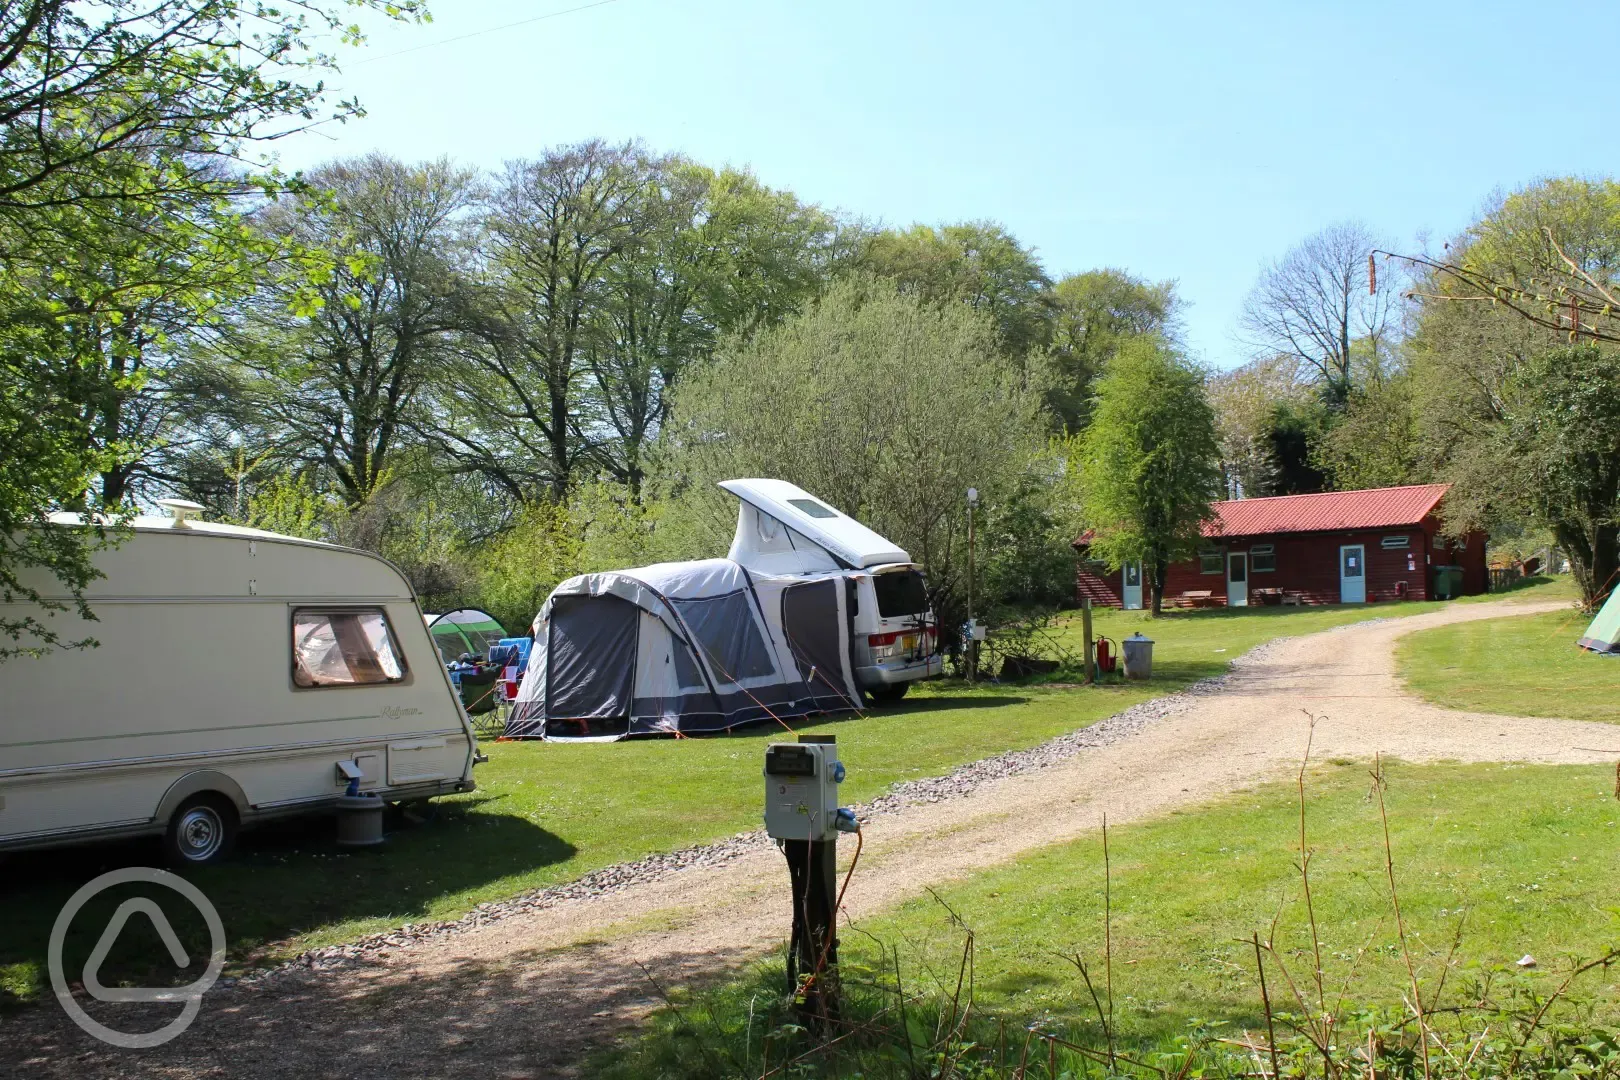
(1085, 629)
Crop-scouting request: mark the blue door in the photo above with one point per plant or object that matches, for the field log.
(1132, 589)
(1352, 574)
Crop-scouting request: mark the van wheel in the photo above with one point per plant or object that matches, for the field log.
(202, 831)
(889, 695)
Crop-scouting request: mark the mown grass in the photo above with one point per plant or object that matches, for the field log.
(1503, 860)
(548, 813)
(1522, 665)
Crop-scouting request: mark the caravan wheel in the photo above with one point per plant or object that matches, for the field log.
(202, 831)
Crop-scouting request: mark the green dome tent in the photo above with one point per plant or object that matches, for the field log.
(464, 630)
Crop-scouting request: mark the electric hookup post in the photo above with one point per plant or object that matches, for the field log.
(802, 814)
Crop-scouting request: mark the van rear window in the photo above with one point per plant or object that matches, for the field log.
(901, 592)
(343, 647)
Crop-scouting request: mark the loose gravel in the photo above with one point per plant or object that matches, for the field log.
(958, 783)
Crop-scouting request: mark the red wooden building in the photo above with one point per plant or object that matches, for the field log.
(1332, 548)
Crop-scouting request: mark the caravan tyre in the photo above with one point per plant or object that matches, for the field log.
(202, 831)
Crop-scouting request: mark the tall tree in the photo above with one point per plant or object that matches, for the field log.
(117, 120)
(1095, 314)
(343, 387)
(1552, 460)
(1377, 442)
(1254, 406)
(977, 263)
(554, 230)
(721, 254)
(1485, 423)
(1149, 461)
(888, 407)
(1315, 305)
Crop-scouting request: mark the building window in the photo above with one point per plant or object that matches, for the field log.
(1263, 558)
(1212, 562)
(343, 647)
(1396, 541)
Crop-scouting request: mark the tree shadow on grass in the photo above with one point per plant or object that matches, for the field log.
(285, 879)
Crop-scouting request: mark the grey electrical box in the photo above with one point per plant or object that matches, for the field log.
(801, 790)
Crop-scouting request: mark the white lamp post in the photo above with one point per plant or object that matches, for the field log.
(972, 642)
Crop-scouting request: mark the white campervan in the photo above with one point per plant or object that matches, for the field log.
(240, 675)
(783, 529)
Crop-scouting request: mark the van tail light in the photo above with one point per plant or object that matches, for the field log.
(885, 646)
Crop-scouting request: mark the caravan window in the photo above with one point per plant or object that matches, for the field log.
(343, 647)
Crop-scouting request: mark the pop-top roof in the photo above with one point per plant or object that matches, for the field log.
(839, 534)
(1374, 508)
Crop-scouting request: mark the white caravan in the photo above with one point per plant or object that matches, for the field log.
(783, 529)
(241, 675)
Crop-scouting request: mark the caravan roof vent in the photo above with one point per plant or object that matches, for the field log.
(181, 509)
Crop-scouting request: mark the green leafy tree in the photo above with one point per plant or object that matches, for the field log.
(887, 406)
(721, 254)
(977, 263)
(1474, 364)
(1094, 315)
(1245, 400)
(1376, 443)
(1551, 459)
(123, 127)
(554, 231)
(1149, 461)
(345, 387)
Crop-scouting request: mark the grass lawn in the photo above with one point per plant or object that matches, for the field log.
(1526, 856)
(547, 813)
(1524, 665)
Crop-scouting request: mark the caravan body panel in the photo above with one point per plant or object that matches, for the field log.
(192, 688)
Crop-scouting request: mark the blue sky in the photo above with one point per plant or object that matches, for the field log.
(1192, 141)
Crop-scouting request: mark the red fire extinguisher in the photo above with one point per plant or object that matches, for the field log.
(1105, 658)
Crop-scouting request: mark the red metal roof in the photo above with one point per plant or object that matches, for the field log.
(1374, 508)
